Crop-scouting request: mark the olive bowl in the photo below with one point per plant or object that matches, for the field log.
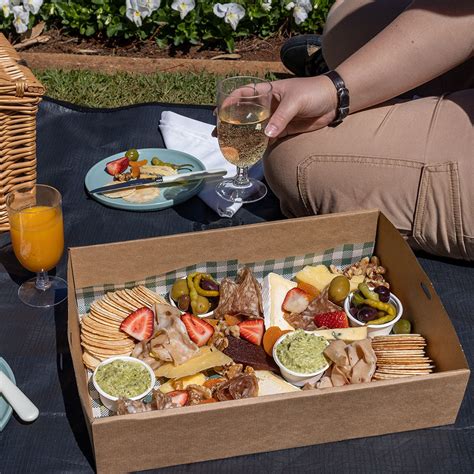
(297, 378)
(374, 329)
(110, 401)
(173, 303)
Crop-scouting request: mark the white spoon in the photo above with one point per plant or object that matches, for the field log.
(17, 399)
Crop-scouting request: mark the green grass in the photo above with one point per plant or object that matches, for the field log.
(95, 89)
(103, 90)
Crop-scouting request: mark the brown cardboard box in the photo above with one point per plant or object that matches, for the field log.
(200, 433)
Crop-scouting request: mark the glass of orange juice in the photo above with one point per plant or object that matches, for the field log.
(37, 234)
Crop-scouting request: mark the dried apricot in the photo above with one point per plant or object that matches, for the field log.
(211, 321)
(272, 334)
(212, 382)
(137, 164)
(310, 289)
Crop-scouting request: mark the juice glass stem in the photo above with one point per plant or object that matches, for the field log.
(242, 177)
(43, 282)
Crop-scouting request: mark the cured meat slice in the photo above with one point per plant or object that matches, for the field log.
(305, 319)
(243, 297)
(227, 291)
(242, 386)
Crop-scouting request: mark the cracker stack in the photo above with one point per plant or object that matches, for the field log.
(101, 337)
(401, 356)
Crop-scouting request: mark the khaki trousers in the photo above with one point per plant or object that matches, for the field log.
(412, 159)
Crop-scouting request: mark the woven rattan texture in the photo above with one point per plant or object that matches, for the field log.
(20, 94)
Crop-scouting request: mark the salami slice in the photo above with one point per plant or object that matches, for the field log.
(248, 299)
(227, 291)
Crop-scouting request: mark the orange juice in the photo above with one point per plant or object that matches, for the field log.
(38, 237)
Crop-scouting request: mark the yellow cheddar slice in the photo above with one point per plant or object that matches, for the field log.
(274, 290)
(206, 358)
(318, 276)
(346, 334)
(271, 384)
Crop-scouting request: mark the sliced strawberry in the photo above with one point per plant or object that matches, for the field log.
(139, 324)
(117, 166)
(179, 398)
(296, 301)
(199, 331)
(252, 330)
(332, 320)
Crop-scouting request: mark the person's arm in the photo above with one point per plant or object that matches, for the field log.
(426, 40)
(429, 38)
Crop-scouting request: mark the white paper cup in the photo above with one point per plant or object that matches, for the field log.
(375, 329)
(297, 378)
(108, 400)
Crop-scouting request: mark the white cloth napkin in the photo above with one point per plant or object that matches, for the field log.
(195, 137)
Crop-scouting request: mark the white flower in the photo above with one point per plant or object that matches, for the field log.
(231, 12)
(267, 5)
(137, 10)
(301, 8)
(5, 7)
(21, 19)
(149, 5)
(183, 7)
(33, 6)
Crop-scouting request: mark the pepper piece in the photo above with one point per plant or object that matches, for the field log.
(367, 292)
(387, 307)
(357, 299)
(202, 291)
(384, 319)
(192, 291)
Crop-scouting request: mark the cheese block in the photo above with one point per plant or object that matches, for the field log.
(207, 358)
(274, 290)
(355, 280)
(318, 276)
(183, 382)
(346, 334)
(271, 384)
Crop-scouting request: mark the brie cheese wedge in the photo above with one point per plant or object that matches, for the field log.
(270, 384)
(274, 290)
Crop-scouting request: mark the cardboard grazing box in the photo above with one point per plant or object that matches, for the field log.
(122, 443)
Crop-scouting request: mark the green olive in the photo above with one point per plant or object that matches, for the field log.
(202, 305)
(402, 326)
(132, 154)
(155, 161)
(338, 289)
(179, 288)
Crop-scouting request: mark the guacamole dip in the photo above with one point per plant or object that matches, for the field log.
(123, 378)
(302, 352)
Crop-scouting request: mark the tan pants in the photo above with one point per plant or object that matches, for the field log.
(412, 159)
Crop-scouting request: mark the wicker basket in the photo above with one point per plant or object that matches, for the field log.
(20, 94)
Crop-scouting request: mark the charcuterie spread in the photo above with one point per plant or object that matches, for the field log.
(216, 336)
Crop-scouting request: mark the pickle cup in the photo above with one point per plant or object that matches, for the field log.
(375, 329)
(173, 303)
(109, 401)
(297, 378)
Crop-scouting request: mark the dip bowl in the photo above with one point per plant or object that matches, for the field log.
(375, 329)
(110, 401)
(297, 378)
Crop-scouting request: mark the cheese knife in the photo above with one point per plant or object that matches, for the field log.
(176, 178)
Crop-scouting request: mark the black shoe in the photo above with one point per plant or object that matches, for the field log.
(302, 55)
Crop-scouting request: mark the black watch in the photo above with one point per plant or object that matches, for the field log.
(342, 97)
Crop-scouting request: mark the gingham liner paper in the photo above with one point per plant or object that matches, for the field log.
(341, 257)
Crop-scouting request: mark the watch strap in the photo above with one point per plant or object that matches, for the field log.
(342, 97)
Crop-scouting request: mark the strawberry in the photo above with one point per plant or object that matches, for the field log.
(117, 166)
(139, 324)
(178, 397)
(331, 320)
(296, 301)
(252, 330)
(199, 331)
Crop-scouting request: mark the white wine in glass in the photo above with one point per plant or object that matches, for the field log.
(243, 105)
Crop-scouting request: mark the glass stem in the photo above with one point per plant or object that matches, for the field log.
(242, 177)
(42, 281)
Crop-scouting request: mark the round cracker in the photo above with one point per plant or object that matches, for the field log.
(95, 350)
(143, 195)
(119, 193)
(109, 343)
(114, 298)
(90, 361)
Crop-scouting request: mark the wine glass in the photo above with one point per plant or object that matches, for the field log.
(37, 234)
(243, 110)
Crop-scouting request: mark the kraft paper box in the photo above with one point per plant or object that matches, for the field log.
(122, 443)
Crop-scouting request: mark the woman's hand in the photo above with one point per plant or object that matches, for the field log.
(301, 105)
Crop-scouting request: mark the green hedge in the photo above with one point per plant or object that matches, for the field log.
(175, 22)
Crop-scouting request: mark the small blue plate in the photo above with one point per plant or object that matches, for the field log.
(169, 195)
(5, 408)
